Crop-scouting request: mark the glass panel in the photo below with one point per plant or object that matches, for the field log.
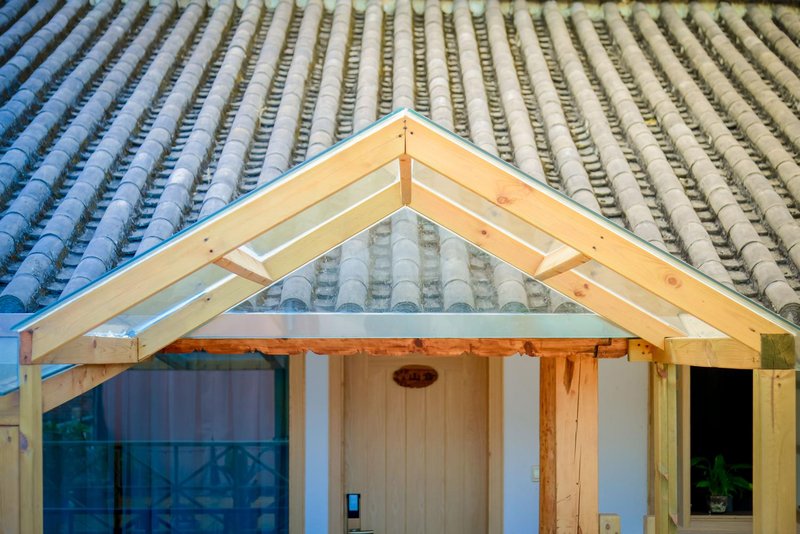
(486, 210)
(113, 272)
(755, 307)
(455, 276)
(157, 450)
(330, 207)
(163, 302)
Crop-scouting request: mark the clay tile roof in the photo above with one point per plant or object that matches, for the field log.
(122, 123)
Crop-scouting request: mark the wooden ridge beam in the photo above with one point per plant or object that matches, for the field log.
(243, 262)
(559, 261)
(546, 348)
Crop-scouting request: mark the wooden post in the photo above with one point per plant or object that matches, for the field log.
(9, 479)
(30, 450)
(568, 445)
(774, 491)
(665, 445)
(297, 439)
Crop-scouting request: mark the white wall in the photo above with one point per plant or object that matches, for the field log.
(623, 443)
(316, 444)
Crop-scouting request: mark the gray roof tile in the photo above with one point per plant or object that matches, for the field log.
(680, 129)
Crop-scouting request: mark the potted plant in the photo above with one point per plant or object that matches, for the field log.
(722, 481)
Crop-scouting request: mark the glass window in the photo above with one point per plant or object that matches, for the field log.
(192, 442)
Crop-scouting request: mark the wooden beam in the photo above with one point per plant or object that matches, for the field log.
(9, 479)
(306, 246)
(65, 386)
(590, 234)
(721, 352)
(559, 261)
(665, 430)
(774, 460)
(243, 262)
(215, 237)
(495, 428)
(546, 348)
(405, 179)
(777, 351)
(297, 439)
(508, 248)
(95, 350)
(568, 436)
(31, 479)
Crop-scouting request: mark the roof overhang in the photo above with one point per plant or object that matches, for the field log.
(405, 161)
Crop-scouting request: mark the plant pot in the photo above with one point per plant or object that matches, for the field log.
(719, 504)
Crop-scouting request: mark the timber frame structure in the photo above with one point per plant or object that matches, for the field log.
(675, 315)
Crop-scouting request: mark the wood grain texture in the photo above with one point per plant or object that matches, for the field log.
(218, 235)
(297, 440)
(568, 438)
(31, 478)
(593, 237)
(418, 456)
(774, 456)
(595, 347)
(665, 443)
(9, 480)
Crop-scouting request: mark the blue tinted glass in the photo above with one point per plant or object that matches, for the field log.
(195, 443)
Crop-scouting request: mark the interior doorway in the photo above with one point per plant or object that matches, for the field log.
(418, 455)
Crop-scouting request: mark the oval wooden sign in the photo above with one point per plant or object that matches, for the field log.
(415, 376)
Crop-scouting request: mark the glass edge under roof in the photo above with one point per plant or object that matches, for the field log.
(754, 306)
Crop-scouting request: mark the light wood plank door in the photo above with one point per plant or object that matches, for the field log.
(418, 456)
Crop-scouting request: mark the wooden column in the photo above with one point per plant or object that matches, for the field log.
(9, 479)
(665, 447)
(774, 471)
(568, 445)
(297, 440)
(30, 449)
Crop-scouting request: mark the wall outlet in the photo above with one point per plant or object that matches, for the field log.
(535, 473)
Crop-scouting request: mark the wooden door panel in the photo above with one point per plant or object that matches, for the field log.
(417, 456)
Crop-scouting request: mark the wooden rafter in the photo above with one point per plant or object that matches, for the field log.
(215, 237)
(324, 236)
(588, 233)
(574, 285)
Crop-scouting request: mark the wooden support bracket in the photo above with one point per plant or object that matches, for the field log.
(245, 263)
(559, 261)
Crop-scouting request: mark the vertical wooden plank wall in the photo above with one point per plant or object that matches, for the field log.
(568, 437)
(665, 433)
(774, 470)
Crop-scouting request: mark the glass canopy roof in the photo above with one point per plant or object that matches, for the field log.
(403, 162)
